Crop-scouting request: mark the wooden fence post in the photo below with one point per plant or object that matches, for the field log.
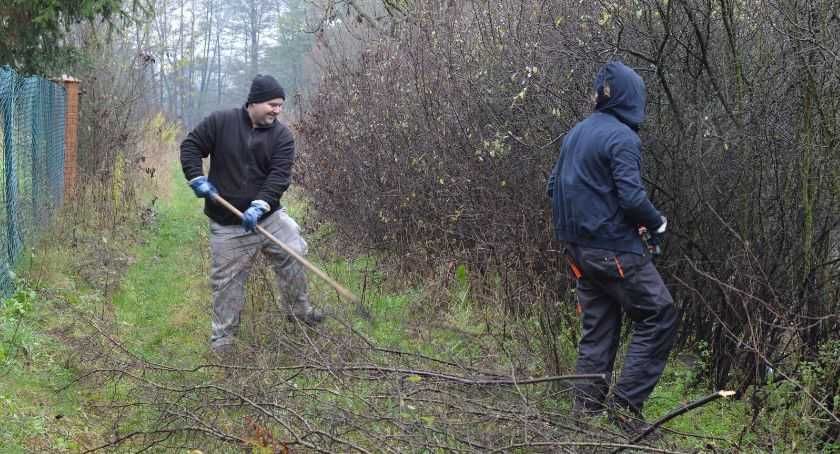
(71, 134)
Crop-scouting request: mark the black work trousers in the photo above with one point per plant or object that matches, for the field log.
(611, 285)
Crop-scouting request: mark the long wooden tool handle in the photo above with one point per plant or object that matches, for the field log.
(341, 290)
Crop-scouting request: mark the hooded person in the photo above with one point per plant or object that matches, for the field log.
(251, 156)
(598, 206)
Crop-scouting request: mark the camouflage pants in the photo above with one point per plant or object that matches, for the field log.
(233, 251)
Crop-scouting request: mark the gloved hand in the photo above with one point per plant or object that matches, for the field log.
(202, 187)
(662, 227)
(655, 240)
(253, 214)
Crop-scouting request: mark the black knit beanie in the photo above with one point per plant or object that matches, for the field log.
(264, 88)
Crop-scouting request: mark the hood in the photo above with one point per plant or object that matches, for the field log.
(626, 93)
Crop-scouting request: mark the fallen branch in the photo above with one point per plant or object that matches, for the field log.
(469, 381)
(588, 444)
(673, 414)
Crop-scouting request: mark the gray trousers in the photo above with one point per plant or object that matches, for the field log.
(613, 284)
(233, 251)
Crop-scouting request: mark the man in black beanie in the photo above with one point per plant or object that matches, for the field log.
(251, 155)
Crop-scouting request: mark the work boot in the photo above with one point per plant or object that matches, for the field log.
(222, 352)
(585, 407)
(631, 422)
(312, 318)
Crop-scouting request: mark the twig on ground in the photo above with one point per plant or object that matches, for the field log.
(679, 411)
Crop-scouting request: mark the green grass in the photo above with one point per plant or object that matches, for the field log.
(37, 411)
(721, 420)
(162, 307)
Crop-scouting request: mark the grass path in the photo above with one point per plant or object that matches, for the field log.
(163, 305)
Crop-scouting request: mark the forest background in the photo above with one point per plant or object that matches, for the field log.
(426, 130)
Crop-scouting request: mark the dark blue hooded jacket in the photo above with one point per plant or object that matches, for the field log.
(596, 190)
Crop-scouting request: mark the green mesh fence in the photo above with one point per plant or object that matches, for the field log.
(31, 163)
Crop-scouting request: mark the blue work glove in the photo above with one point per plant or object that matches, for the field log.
(253, 214)
(202, 187)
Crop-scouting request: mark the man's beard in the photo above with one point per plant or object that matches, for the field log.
(268, 120)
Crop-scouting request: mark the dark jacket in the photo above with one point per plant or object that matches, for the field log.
(246, 163)
(596, 190)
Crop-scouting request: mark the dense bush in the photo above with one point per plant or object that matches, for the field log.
(441, 138)
(435, 140)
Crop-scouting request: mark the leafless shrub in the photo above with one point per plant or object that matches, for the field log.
(115, 87)
(434, 142)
